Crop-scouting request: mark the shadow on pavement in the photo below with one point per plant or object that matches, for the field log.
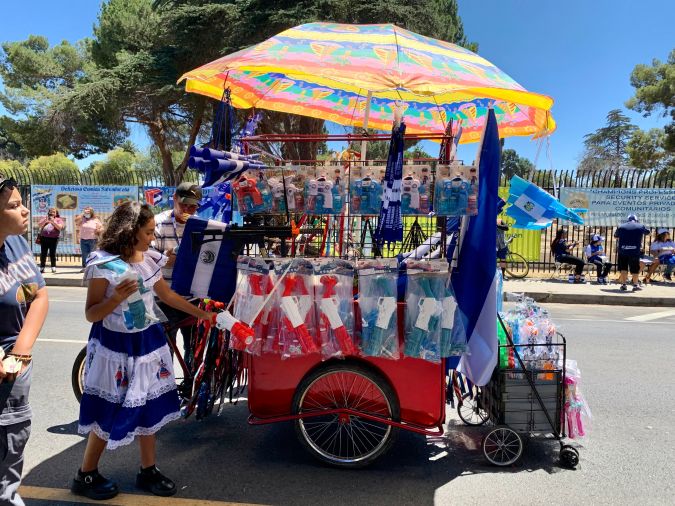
(66, 428)
(223, 459)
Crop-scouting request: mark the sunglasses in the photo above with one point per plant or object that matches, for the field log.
(9, 184)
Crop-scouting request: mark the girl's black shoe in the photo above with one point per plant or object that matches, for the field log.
(151, 480)
(94, 486)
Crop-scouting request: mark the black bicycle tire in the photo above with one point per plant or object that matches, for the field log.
(517, 275)
(77, 372)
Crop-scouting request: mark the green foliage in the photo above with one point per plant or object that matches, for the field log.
(116, 168)
(655, 91)
(515, 165)
(646, 149)
(54, 168)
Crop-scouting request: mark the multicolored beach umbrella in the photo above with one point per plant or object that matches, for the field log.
(337, 71)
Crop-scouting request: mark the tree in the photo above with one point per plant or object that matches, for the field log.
(128, 72)
(515, 165)
(35, 76)
(607, 146)
(646, 149)
(54, 169)
(116, 168)
(655, 90)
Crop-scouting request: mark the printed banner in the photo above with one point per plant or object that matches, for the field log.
(70, 201)
(609, 207)
(525, 242)
(159, 197)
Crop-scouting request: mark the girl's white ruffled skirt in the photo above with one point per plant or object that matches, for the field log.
(129, 385)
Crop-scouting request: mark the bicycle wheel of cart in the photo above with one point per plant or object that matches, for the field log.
(77, 374)
(345, 440)
(502, 446)
(471, 410)
(516, 265)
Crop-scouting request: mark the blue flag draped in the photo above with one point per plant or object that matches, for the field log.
(390, 226)
(534, 208)
(475, 281)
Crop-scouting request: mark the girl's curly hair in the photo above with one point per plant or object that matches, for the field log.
(119, 235)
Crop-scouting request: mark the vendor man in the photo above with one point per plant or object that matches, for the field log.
(169, 227)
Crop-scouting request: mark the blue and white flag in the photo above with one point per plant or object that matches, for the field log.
(208, 271)
(475, 281)
(390, 225)
(534, 208)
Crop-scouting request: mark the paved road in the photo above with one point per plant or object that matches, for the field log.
(626, 355)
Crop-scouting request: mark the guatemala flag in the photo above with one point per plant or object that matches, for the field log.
(534, 208)
(210, 269)
(475, 282)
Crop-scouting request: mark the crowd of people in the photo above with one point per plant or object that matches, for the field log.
(631, 256)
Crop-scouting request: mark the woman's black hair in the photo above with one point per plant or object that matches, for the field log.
(119, 235)
(558, 238)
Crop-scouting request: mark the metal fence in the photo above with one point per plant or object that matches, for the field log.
(549, 180)
(553, 180)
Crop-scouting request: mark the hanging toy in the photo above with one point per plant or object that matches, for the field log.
(574, 405)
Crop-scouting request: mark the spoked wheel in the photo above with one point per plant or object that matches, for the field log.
(502, 446)
(345, 440)
(516, 266)
(77, 374)
(569, 456)
(471, 410)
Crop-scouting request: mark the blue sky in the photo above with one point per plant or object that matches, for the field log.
(580, 52)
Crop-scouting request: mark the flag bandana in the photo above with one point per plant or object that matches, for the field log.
(390, 225)
(206, 271)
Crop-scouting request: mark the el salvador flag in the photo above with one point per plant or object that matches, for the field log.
(209, 271)
(475, 282)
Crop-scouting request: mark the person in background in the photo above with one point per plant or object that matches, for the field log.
(23, 309)
(561, 249)
(169, 227)
(502, 245)
(629, 244)
(50, 229)
(663, 251)
(595, 254)
(90, 229)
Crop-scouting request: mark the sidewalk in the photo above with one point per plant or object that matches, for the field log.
(560, 291)
(541, 290)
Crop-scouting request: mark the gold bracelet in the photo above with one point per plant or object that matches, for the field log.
(22, 358)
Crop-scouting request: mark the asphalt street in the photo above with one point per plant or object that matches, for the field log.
(626, 356)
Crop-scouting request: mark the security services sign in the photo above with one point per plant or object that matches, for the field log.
(609, 207)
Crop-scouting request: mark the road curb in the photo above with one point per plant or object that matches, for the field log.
(625, 299)
(63, 281)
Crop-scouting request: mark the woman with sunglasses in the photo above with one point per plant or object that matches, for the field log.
(23, 309)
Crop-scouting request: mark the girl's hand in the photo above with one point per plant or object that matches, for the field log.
(208, 316)
(124, 289)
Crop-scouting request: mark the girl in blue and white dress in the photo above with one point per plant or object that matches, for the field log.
(129, 386)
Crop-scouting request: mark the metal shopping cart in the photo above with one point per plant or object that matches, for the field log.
(527, 400)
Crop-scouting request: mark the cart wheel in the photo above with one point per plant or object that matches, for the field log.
(339, 439)
(502, 446)
(77, 374)
(471, 410)
(569, 456)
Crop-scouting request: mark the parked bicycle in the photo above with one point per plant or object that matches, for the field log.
(517, 266)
